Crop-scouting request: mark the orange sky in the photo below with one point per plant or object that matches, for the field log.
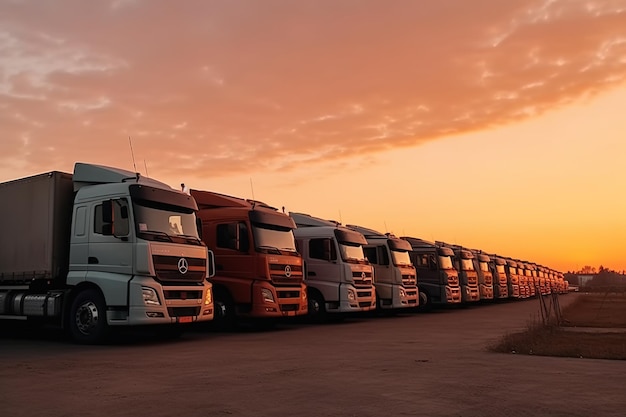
(493, 124)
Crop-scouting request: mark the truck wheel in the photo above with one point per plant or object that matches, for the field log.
(87, 319)
(316, 307)
(426, 303)
(225, 317)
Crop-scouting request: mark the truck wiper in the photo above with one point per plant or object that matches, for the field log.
(273, 249)
(158, 235)
(194, 238)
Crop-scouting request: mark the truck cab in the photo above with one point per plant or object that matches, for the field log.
(438, 280)
(497, 265)
(513, 279)
(259, 272)
(463, 261)
(485, 276)
(101, 247)
(524, 283)
(338, 276)
(395, 276)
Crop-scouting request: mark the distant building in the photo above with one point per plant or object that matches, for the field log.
(584, 279)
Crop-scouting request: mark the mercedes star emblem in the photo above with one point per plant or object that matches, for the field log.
(183, 266)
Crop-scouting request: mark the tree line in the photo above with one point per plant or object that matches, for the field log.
(602, 277)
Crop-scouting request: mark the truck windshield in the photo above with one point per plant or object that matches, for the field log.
(483, 266)
(165, 222)
(500, 269)
(467, 265)
(352, 253)
(445, 262)
(400, 258)
(268, 238)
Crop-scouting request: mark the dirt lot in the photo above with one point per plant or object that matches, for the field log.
(433, 364)
(597, 310)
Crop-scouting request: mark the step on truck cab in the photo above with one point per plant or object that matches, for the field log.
(485, 276)
(258, 268)
(99, 248)
(463, 261)
(395, 277)
(438, 280)
(338, 276)
(497, 265)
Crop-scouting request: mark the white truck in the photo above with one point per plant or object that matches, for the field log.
(338, 277)
(395, 276)
(98, 248)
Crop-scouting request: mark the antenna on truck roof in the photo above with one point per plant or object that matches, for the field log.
(252, 189)
(132, 154)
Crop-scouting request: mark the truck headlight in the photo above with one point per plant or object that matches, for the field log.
(268, 297)
(208, 297)
(150, 296)
(402, 293)
(351, 295)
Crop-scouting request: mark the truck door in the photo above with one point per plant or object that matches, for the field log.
(322, 261)
(110, 239)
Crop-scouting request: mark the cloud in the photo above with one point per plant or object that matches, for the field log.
(245, 85)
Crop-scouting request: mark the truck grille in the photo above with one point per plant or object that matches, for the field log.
(409, 280)
(289, 294)
(364, 294)
(182, 295)
(170, 268)
(472, 280)
(453, 280)
(278, 273)
(362, 278)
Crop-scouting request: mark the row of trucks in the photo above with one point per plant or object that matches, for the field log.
(105, 247)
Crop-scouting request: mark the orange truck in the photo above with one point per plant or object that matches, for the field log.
(259, 272)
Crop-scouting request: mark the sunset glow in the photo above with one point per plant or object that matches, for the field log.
(498, 125)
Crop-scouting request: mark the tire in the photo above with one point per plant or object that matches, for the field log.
(225, 317)
(426, 303)
(316, 306)
(87, 321)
